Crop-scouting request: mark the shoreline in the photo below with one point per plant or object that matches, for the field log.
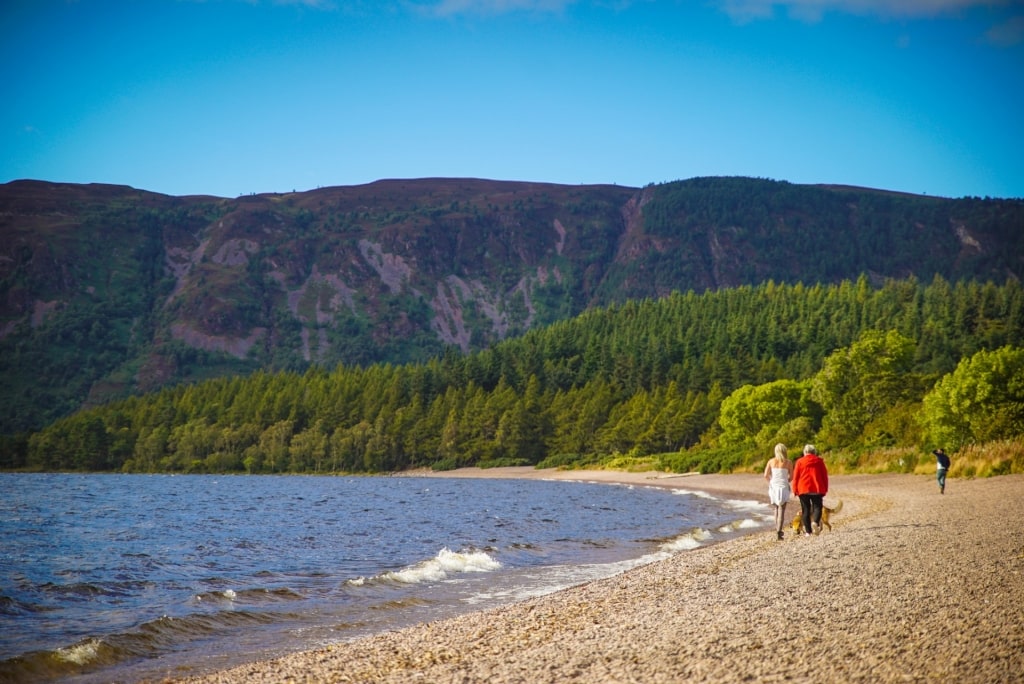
(740, 485)
(909, 585)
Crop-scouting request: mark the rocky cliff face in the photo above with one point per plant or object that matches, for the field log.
(106, 290)
(465, 263)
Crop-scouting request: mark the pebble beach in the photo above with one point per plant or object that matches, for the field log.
(908, 586)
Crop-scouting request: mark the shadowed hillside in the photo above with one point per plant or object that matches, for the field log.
(108, 290)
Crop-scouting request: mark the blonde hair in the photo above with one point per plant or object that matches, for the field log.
(780, 451)
(809, 449)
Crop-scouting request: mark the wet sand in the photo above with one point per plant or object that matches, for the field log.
(909, 586)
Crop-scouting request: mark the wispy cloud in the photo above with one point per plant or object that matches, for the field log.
(813, 10)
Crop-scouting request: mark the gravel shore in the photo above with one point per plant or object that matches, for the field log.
(909, 586)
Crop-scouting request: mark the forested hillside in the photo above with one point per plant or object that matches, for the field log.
(108, 291)
(704, 381)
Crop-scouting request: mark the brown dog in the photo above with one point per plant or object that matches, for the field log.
(825, 513)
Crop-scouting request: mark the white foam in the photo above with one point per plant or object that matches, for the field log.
(695, 492)
(742, 524)
(80, 654)
(688, 541)
(744, 504)
(757, 508)
(445, 563)
(548, 580)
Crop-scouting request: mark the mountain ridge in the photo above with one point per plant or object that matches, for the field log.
(107, 290)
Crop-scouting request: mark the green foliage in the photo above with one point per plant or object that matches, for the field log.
(1002, 457)
(757, 415)
(632, 463)
(502, 463)
(900, 424)
(81, 295)
(879, 459)
(698, 382)
(861, 382)
(800, 430)
(849, 231)
(717, 460)
(981, 401)
(569, 461)
(445, 464)
(108, 291)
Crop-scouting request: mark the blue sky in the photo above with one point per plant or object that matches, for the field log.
(229, 97)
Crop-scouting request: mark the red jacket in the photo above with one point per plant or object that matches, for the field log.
(810, 475)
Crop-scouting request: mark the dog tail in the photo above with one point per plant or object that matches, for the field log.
(838, 507)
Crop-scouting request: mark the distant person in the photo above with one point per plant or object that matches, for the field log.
(779, 471)
(941, 467)
(810, 483)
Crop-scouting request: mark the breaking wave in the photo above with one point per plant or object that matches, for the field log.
(237, 568)
(149, 639)
(440, 567)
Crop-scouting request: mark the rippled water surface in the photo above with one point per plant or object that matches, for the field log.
(122, 577)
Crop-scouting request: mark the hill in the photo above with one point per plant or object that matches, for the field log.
(687, 382)
(106, 291)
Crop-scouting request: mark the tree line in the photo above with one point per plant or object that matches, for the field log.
(700, 381)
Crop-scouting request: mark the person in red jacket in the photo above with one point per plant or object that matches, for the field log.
(810, 483)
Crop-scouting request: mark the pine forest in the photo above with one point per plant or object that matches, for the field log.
(690, 382)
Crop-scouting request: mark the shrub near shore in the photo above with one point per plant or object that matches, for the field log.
(981, 460)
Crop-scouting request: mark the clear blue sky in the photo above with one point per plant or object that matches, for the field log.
(229, 97)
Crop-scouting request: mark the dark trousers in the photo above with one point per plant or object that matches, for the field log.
(810, 510)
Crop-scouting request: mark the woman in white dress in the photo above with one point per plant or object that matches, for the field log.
(779, 472)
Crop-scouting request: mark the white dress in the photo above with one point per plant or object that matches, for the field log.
(778, 486)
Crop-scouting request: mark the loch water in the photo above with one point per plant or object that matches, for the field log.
(128, 577)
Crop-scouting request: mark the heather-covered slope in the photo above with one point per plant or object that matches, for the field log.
(108, 290)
